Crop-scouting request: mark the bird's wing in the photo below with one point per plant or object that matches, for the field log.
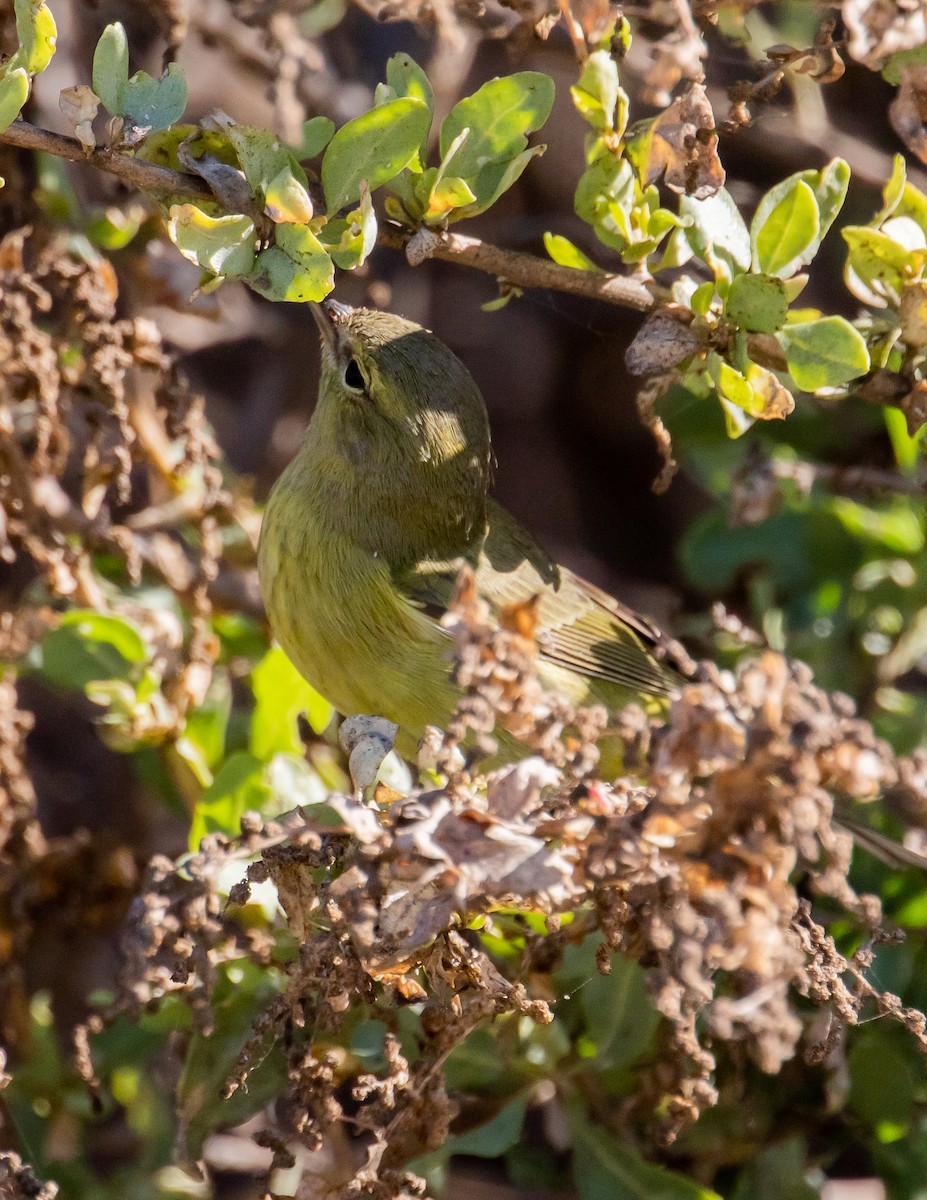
(578, 627)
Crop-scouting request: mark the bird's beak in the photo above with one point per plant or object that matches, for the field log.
(328, 316)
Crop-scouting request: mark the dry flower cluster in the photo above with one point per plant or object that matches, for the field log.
(687, 864)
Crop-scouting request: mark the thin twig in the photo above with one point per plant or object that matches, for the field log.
(146, 176)
(519, 269)
(513, 267)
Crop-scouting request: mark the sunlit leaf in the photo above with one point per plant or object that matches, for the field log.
(222, 245)
(717, 233)
(826, 353)
(37, 34)
(784, 237)
(499, 116)
(297, 267)
(373, 148)
(562, 251)
(280, 695)
(14, 91)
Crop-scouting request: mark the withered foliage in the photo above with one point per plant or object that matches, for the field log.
(704, 862)
(104, 452)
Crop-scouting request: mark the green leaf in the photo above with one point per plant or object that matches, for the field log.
(778, 1172)
(826, 353)
(222, 245)
(317, 133)
(14, 92)
(242, 993)
(494, 1137)
(597, 93)
(562, 251)
(830, 186)
(297, 267)
(882, 1087)
(88, 647)
(406, 78)
(111, 67)
(877, 266)
(37, 34)
(280, 695)
(270, 167)
(607, 1169)
(239, 786)
(717, 233)
(495, 179)
(499, 116)
(373, 147)
(784, 237)
(154, 104)
(895, 64)
(620, 1017)
(757, 303)
(286, 199)
(351, 240)
(895, 526)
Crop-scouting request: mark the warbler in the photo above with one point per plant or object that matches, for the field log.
(367, 529)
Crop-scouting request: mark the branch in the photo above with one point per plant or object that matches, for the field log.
(523, 270)
(511, 266)
(146, 176)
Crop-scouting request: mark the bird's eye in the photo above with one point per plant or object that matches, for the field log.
(353, 378)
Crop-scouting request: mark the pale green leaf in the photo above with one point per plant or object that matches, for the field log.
(154, 104)
(373, 148)
(499, 116)
(14, 91)
(717, 233)
(784, 237)
(826, 353)
(286, 199)
(757, 303)
(280, 695)
(111, 67)
(877, 266)
(296, 268)
(406, 78)
(495, 179)
(597, 91)
(268, 162)
(221, 245)
(317, 133)
(562, 251)
(829, 188)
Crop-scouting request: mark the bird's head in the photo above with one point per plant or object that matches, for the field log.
(400, 415)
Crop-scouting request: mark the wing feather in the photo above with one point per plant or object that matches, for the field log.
(580, 628)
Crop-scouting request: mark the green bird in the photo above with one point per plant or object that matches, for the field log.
(367, 529)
